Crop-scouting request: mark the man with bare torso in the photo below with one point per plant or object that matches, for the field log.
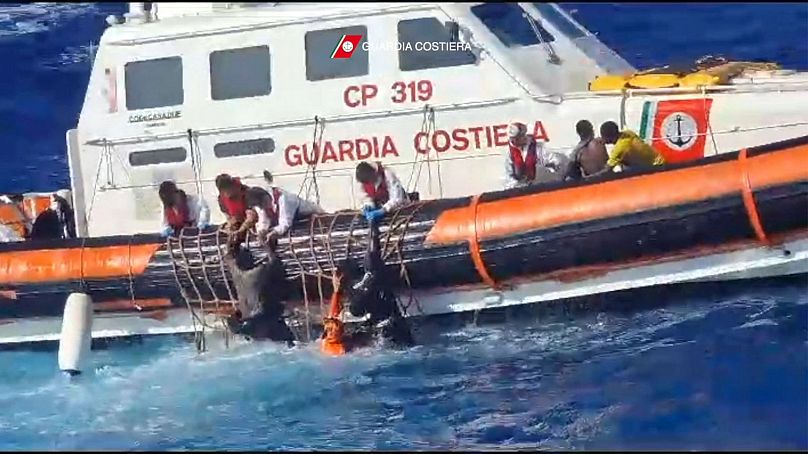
(590, 155)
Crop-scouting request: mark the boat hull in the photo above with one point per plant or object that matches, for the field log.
(746, 263)
(682, 223)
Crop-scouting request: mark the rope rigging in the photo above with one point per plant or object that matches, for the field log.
(194, 272)
(426, 133)
(317, 256)
(196, 160)
(310, 181)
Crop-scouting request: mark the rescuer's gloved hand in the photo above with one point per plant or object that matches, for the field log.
(375, 215)
(201, 225)
(166, 232)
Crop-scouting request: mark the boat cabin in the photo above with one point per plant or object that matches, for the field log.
(186, 91)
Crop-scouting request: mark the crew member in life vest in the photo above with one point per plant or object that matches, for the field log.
(629, 152)
(527, 162)
(232, 200)
(181, 210)
(380, 190)
(590, 155)
(276, 210)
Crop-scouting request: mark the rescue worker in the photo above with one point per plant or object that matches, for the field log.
(380, 190)
(589, 156)
(181, 210)
(232, 200)
(527, 162)
(276, 211)
(371, 297)
(629, 152)
(233, 204)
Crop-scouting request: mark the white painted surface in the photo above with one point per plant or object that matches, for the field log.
(75, 340)
(744, 264)
(506, 84)
(41, 329)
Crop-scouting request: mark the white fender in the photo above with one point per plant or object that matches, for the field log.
(77, 330)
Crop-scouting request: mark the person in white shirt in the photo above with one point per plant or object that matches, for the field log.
(527, 162)
(380, 191)
(277, 210)
(181, 210)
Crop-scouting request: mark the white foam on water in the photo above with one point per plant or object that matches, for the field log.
(518, 382)
(38, 17)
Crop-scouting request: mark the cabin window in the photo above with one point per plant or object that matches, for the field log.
(244, 148)
(161, 156)
(239, 73)
(559, 21)
(321, 44)
(419, 40)
(153, 83)
(505, 20)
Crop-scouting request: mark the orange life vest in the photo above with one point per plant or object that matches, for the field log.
(334, 330)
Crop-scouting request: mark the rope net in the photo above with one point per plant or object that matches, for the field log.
(203, 281)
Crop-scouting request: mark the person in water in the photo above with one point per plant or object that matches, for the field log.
(276, 210)
(527, 162)
(371, 297)
(262, 289)
(590, 155)
(380, 190)
(181, 210)
(629, 152)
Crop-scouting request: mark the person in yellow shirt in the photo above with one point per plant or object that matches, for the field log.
(630, 152)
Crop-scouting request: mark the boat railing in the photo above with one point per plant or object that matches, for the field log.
(300, 122)
(391, 113)
(483, 155)
(801, 84)
(295, 19)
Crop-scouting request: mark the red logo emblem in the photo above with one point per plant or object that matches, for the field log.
(346, 46)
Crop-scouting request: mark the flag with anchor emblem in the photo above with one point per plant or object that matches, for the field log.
(677, 128)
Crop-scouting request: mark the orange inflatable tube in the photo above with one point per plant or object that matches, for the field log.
(542, 210)
(52, 265)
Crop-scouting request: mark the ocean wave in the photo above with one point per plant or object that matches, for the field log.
(71, 55)
(30, 18)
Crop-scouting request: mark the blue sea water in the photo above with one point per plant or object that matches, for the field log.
(724, 369)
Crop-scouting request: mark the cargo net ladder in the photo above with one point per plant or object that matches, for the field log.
(314, 259)
(203, 281)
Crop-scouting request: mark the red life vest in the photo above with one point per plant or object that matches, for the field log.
(526, 167)
(178, 216)
(235, 207)
(379, 195)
